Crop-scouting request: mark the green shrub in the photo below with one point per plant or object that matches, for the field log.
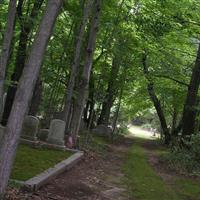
(122, 129)
(186, 159)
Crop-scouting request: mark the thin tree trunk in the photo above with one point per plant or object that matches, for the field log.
(156, 102)
(190, 107)
(110, 94)
(117, 111)
(76, 62)
(174, 119)
(91, 101)
(4, 57)
(26, 27)
(83, 85)
(36, 99)
(24, 92)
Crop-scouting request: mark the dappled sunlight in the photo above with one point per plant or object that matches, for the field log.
(137, 131)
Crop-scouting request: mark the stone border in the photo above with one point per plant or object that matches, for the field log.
(39, 180)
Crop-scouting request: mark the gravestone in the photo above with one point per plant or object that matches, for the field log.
(56, 132)
(102, 130)
(30, 128)
(43, 134)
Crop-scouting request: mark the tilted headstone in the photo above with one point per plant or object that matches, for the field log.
(30, 128)
(43, 134)
(56, 132)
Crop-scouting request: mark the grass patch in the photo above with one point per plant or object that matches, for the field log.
(143, 183)
(31, 161)
(188, 189)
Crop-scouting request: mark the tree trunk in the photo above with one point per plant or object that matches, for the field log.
(174, 119)
(83, 84)
(156, 102)
(24, 92)
(110, 94)
(26, 28)
(4, 57)
(76, 62)
(190, 107)
(36, 99)
(117, 111)
(91, 102)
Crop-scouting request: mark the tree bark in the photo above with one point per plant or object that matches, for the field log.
(117, 111)
(190, 106)
(36, 99)
(24, 92)
(110, 94)
(4, 57)
(76, 62)
(83, 84)
(156, 102)
(26, 27)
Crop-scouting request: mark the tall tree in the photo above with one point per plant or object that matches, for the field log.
(156, 101)
(191, 102)
(26, 26)
(76, 62)
(110, 93)
(24, 92)
(4, 57)
(85, 76)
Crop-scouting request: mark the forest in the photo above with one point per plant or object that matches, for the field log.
(117, 82)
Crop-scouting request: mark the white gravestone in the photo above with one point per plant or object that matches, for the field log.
(30, 128)
(56, 132)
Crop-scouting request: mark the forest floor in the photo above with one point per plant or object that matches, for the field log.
(129, 169)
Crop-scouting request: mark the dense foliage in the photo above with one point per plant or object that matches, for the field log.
(166, 30)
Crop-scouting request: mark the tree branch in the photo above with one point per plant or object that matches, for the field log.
(170, 78)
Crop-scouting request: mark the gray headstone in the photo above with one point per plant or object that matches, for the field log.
(102, 130)
(43, 134)
(30, 128)
(56, 132)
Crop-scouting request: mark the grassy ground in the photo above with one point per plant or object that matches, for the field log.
(145, 184)
(142, 181)
(31, 161)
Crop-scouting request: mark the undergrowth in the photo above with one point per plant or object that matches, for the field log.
(186, 159)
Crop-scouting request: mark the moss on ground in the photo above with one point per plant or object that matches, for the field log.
(31, 161)
(144, 184)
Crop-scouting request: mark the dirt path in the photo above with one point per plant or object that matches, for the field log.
(100, 177)
(95, 178)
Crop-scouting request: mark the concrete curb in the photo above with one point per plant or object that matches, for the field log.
(36, 182)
